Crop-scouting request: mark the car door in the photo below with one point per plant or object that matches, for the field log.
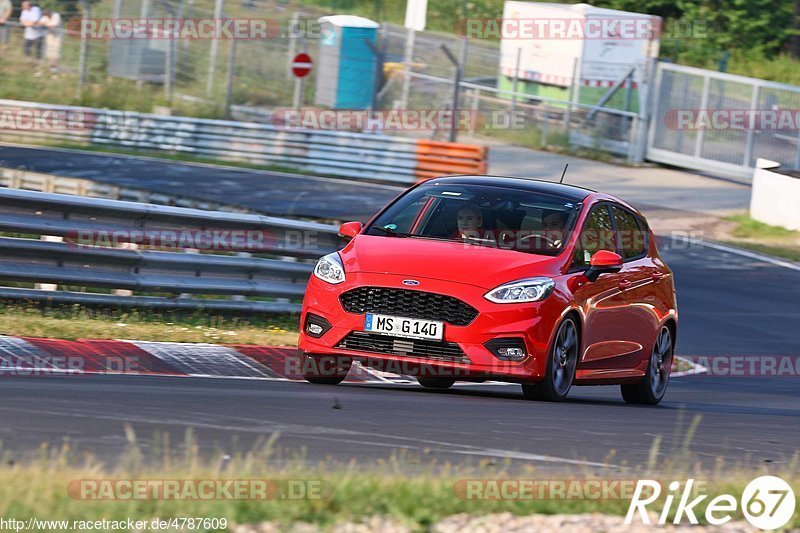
(636, 283)
(603, 301)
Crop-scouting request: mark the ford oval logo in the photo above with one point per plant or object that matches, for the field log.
(410, 282)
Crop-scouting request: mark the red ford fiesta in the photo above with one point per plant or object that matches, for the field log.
(478, 278)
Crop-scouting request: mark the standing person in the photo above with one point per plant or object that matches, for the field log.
(5, 13)
(51, 24)
(29, 18)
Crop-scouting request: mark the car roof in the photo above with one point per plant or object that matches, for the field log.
(569, 192)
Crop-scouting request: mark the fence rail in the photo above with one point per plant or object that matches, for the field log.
(729, 149)
(94, 244)
(19, 178)
(323, 152)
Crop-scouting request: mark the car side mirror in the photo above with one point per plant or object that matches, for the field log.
(349, 230)
(603, 262)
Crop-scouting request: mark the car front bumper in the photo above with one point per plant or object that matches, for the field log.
(532, 322)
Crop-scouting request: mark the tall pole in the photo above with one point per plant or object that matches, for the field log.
(292, 44)
(299, 86)
(515, 84)
(456, 91)
(84, 53)
(168, 74)
(571, 97)
(231, 73)
(212, 61)
(145, 8)
(409, 58)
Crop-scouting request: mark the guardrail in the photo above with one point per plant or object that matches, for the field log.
(100, 244)
(326, 152)
(19, 178)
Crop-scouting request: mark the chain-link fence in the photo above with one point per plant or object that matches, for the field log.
(251, 79)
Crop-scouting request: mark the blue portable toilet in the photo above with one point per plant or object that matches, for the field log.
(345, 77)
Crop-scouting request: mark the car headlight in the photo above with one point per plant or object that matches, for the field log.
(524, 290)
(330, 269)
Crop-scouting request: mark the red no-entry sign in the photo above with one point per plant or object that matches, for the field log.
(301, 65)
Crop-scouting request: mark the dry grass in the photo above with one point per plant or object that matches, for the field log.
(763, 238)
(77, 322)
(417, 498)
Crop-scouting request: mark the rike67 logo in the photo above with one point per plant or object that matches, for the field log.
(768, 503)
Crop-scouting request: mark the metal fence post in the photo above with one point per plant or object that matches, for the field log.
(515, 83)
(84, 53)
(168, 72)
(212, 62)
(292, 45)
(571, 97)
(407, 61)
(698, 146)
(797, 152)
(231, 75)
(545, 126)
(144, 10)
(476, 101)
(748, 148)
(456, 90)
(116, 13)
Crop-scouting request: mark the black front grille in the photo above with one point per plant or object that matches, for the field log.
(412, 304)
(361, 341)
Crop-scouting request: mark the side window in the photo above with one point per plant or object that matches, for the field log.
(631, 237)
(597, 234)
(403, 220)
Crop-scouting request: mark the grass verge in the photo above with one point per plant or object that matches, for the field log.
(45, 487)
(763, 238)
(76, 322)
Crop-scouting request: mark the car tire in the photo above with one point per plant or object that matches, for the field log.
(435, 383)
(561, 365)
(651, 389)
(325, 369)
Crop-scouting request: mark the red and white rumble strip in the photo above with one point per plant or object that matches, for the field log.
(27, 356)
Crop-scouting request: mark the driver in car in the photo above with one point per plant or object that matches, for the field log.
(553, 225)
(470, 222)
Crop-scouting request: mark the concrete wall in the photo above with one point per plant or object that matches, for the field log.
(776, 198)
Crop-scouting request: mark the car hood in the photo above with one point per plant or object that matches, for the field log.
(479, 266)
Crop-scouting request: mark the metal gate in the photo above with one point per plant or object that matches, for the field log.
(721, 123)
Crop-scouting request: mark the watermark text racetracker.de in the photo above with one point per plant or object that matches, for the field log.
(618, 28)
(746, 366)
(23, 119)
(49, 365)
(545, 489)
(397, 119)
(185, 523)
(209, 239)
(197, 489)
(226, 28)
(777, 119)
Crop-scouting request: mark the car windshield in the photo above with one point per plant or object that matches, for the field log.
(498, 217)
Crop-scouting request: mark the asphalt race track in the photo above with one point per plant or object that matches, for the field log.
(730, 305)
(271, 193)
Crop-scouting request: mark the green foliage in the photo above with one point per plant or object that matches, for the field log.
(700, 32)
(696, 32)
(67, 8)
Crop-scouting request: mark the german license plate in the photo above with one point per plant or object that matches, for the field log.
(399, 326)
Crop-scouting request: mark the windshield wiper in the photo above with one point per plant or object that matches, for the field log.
(477, 241)
(390, 232)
